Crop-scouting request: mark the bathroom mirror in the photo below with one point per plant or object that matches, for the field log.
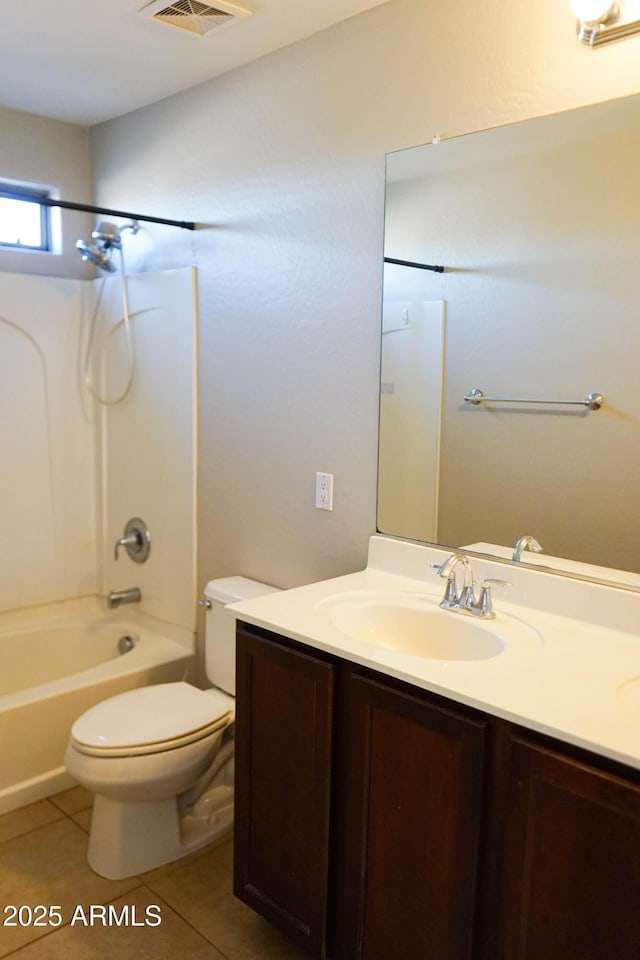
(537, 226)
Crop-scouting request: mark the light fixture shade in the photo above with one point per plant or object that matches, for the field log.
(603, 21)
(593, 11)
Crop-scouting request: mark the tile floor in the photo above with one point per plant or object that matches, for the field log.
(43, 861)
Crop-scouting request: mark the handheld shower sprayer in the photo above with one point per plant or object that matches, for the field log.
(105, 238)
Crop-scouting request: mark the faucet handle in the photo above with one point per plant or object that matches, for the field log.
(136, 540)
(132, 540)
(484, 606)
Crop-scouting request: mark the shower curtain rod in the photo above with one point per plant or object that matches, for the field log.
(87, 208)
(410, 263)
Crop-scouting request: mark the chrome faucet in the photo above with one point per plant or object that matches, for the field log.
(118, 597)
(452, 600)
(466, 602)
(526, 543)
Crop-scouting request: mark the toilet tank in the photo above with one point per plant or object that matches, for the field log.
(220, 626)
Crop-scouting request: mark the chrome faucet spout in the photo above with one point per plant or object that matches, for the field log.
(448, 568)
(526, 543)
(117, 597)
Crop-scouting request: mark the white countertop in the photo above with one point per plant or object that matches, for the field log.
(579, 681)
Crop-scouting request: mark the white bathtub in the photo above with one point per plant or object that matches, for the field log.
(55, 662)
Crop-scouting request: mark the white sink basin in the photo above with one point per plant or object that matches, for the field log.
(415, 625)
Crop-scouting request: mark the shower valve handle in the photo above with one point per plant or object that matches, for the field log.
(136, 541)
(133, 540)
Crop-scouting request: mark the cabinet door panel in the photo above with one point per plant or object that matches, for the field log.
(283, 755)
(413, 822)
(570, 881)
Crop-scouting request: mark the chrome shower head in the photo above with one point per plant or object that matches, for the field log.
(108, 234)
(105, 237)
(95, 254)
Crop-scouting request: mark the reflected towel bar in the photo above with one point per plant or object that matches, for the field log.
(593, 400)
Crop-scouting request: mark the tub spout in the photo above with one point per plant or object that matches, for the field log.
(118, 597)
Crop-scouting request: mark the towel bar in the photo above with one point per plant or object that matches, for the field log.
(593, 400)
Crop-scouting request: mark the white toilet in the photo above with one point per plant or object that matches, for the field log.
(160, 759)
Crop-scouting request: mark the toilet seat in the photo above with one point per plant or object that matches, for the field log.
(150, 720)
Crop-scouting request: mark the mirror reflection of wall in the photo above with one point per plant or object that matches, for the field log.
(410, 407)
(538, 226)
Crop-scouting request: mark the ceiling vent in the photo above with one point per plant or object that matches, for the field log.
(194, 17)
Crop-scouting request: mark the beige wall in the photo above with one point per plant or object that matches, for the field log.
(284, 160)
(38, 150)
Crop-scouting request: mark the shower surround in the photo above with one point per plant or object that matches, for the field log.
(75, 470)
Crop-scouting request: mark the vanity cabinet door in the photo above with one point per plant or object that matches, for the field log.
(570, 873)
(284, 704)
(412, 772)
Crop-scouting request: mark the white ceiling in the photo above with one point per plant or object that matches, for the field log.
(86, 61)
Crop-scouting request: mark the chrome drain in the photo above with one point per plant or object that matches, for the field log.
(126, 643)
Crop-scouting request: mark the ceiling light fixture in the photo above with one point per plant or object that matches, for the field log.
(601, 21)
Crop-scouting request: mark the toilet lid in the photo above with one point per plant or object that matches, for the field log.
(149, 719)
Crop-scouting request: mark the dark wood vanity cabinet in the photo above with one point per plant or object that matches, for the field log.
(567, 877)
(376, 821)
(407, 824)
(364, 844)
(284, 735)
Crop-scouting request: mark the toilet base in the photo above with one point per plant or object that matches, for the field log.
(130, 838)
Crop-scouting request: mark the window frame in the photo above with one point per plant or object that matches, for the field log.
(31, 193)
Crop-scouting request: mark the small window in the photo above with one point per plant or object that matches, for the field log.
(24, 219)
